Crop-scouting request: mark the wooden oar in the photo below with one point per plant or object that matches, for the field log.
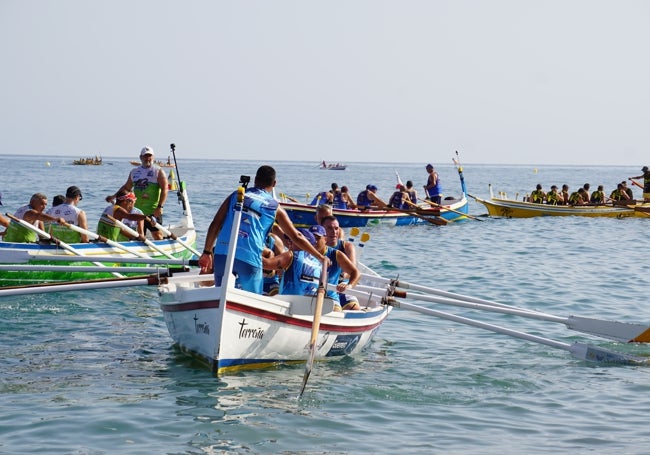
(173, 236)
(578, 350)
(634, 182)
(143, 239)
(315, 326)
(292, 199)
(431, 219)
(47, 236)
(93, 236)
(152, 280)
(433, 204)
(612, 330)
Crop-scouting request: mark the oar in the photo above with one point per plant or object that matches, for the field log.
(143, 239)
(613, 330)
(634, 182)
(152, 280)
(24, 256)
(433, 219)
(47, 236)
(103, 239)
(433, 204)
(580, 351)
(320, 296)
(173, 236)
(84, 269)
(292, 199)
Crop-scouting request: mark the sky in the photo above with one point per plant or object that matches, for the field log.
(501, 81)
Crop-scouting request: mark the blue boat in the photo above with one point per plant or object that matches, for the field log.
(451, 209)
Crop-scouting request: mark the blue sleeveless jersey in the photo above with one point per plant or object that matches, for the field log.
(301, 277)
(258, 215)
(363, 200)
(338, 202)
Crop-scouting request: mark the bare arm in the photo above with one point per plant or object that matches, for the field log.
(83, 224)
(349, 268)
(164, 188)
(278, 262)
(287, 226)
(128, 186)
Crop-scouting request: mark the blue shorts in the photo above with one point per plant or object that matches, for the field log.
(249, 278)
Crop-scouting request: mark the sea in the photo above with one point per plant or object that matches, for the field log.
(96, 372)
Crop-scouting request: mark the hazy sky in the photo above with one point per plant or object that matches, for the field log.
(521, 82)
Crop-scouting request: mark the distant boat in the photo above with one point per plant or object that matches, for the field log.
(159, 163)
(332, 167)
(96, 161)
(504, 207)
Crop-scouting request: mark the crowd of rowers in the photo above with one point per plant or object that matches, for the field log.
(271, 255)
(288, 269)
(404, 197)
(56, 220)
(135, 208)
(580, 197)
(623, 194)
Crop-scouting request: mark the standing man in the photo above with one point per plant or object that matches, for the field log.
(259, 212)
(433, 189)
(149, 183)
(646, 183)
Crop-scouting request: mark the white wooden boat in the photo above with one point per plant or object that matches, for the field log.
(231, 329)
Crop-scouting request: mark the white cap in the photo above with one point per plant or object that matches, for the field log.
(146, 151)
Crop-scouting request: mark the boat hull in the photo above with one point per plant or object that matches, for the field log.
(254, 331)
(305, 215)
(507, 208)
(39, 253)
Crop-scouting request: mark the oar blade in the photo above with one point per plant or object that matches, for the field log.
(624, 332)
(591, 353)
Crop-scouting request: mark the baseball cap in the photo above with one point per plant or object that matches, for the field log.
(308, 235)
(317, 229)
(429, 166)
(372, 188)
(146, 151)
(72, 192)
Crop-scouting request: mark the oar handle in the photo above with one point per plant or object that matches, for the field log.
(47, 236)
(141, 238)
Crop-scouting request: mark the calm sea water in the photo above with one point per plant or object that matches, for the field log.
(95, 372)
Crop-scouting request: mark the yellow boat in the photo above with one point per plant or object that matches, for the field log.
(510, 208)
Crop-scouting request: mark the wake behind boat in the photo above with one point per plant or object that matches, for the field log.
(502, 206)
